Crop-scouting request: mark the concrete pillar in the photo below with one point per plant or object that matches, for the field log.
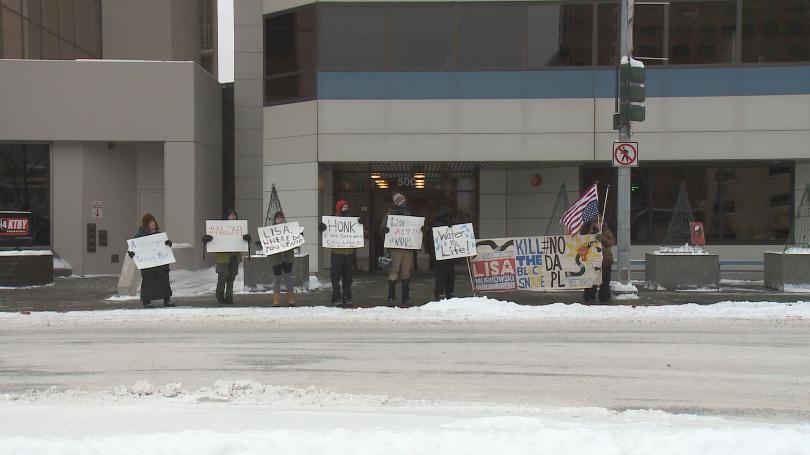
(67, 177)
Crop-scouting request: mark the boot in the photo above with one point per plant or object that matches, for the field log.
(392, 292)
(290, 297)
(406, 293)
(146, 303)
(168, 302)
(276, 299)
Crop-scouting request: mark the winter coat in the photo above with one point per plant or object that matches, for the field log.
(442, 219)
(338, 212)
(607, 239)
(155, 283)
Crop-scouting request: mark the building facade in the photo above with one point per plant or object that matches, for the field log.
(500, 103)
(109, 109)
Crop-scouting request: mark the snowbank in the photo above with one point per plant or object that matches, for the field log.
(26, 253)
(356, 425)
(469, 309)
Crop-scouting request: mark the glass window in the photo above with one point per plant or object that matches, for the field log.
(421, 37)
(290, 42)
(351, 37)
(82, 23)
(702, 32)
(490, 36)
(14, 5)
(560, 35)
(730, 201)
(50, 15)
(33, 40)
(50, 46)
(67, 51)
(94, 38)
(290, 88)
(12, 34)
(25, 185)
(775, 31)
(67, 21)
(607, 35)
(648, 32)
(32, 9)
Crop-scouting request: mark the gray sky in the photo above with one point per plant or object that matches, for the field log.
(225, 37)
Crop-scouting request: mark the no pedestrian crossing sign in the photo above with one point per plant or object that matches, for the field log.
(625, 154)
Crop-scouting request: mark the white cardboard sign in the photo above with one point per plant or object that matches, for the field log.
(342, 232)
(227, 236)
(281, 237)
(151, 251)
(404, 232)
(457, 241)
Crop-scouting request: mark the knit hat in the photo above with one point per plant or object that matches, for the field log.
(399, 199)
(339, 206)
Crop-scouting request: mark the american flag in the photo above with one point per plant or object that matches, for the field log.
(584, 210)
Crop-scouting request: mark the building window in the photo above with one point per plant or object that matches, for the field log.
(775, 31)
(25, 177)
(490, 36)
(742, 204)
(289, 56)
(702, 32)
(50, 29)
(560, 35)
(649, 31)
(351, 37)
(420, 38)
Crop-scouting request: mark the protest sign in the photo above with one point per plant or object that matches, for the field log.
(457, 241)
(342, 232)
(280, 237)
(404, 232)
(227, 236)
(539, 263)
(151, 251)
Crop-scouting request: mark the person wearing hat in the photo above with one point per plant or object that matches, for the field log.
(227, 265)
(342, 265)
(444, 272)
(401, 259)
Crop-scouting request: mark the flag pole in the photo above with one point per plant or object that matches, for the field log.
(604, 209)
(469, 270)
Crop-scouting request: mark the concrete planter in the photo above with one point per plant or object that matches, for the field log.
(26, 268)
(259, 273)
(787, 272)
(674, 272)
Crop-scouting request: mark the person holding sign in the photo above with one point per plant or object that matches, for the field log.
(227, 264)
(401, 258)
(444, 271)
(155, 283)
(282, 263)
(342, 259)
(605, 236)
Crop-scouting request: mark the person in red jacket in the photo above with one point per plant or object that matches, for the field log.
(342, 262)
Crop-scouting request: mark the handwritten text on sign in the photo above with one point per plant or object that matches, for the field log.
(280, 237)
(227, 235)
(457, 241)
(404, 232)
(342, 232)
(151, 251)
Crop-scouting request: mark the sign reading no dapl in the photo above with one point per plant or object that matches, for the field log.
(227, 236)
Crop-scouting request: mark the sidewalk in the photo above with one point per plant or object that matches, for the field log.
(81, 294)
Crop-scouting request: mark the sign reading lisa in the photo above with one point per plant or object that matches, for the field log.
(227, 236)
(455, 241)
(342, 232)
(281, 237)
(404, 232)
(151, 251)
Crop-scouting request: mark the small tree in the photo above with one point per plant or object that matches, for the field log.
(800, 231)
(273, 206)
(554, 227)
(678, 231)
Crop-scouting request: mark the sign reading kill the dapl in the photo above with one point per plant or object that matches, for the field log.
(457, 241)
(342, 232)
(151, 251)
(280, 237)
(404, 232)
(227, 236)
(538, 263)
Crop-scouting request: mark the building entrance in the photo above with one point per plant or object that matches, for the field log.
(369, 189)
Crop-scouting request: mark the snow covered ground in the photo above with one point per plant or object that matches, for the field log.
(467, 309)
(243, 417)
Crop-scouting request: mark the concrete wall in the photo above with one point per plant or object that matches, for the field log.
(150, 181)
(248, 115)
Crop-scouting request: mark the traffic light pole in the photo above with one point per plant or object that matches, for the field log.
(623, 190)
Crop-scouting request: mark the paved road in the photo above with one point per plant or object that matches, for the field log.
(755, 369)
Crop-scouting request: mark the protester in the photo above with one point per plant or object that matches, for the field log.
(227, 265)
(282, 264)
(342, 263)
(401, 259)
(444, 271)
(605, 236)
(154, 280)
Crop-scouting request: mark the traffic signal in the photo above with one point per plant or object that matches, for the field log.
(632, 92)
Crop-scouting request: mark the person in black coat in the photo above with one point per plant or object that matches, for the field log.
(154, 280)
(444, 271)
